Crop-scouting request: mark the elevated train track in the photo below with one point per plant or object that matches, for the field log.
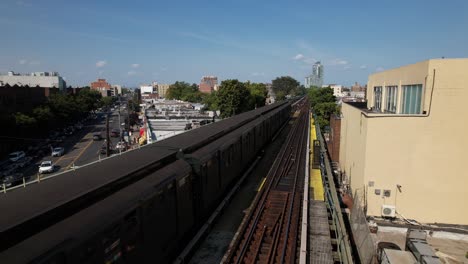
(269, 232)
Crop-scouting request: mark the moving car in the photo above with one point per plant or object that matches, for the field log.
(15, 156)
(46, 167)
(97, 136)
(57, 152)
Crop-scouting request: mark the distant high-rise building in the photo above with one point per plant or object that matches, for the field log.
(316, 78)
(208, 84)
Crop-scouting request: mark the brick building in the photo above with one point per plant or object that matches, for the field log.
(208, 84)
(102, 86)
(333, 143)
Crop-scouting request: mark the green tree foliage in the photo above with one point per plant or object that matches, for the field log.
(211, 101)
(185, 92)
(108, 101)
(258, 94)
(133, 106)
(320, 95)
(89, 100)
(323, 104)
(323, 112)
(285, 85)
(233, 98)
(25, 121)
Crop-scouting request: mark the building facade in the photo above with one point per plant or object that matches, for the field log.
(337, 89)
(102, 86)
(146, 88)
(405, 149)
(208, 84)
(316, 78)
(41, 79)
(162, 89)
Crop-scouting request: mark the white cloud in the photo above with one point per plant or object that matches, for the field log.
(363, 67)
(34, 62)
(379, 69)
(258, 74)
(131, 73)
(135, 65)
(298, 57)
(100, 73)
(101, 63)
(338, 62)
(347, 67)
(23, 62)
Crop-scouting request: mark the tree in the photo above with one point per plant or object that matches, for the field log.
(211, 101)
(320, 95)
(185, 92)
(323, 112)
(258, 94)
(25, 121)
(323, 104)
(108, 101)
(89, 100)
(233, 98)
(286, 84)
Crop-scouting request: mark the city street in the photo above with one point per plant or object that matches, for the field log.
(80, 148)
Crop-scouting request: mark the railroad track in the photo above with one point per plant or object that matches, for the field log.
(269, 233)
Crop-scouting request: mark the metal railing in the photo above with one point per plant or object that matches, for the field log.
(333, 203)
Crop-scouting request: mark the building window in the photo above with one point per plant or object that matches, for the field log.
(411, 99)
(391, 102)
(378, 98)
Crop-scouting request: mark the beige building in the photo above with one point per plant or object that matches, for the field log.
(405, 150)
(162, 89)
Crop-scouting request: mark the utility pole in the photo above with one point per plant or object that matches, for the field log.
(107, 137)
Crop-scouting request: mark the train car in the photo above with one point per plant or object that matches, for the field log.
(150, 220)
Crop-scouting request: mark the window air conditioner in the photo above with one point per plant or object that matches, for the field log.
(388, 211)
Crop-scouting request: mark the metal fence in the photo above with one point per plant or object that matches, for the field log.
(362, 236)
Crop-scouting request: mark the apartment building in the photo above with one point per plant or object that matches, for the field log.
(404, 151)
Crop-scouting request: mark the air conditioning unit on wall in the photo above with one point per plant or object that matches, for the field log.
(388, 211)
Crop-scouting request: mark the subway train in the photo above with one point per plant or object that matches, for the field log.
(149, 218)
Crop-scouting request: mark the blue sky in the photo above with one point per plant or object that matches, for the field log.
(134, 42)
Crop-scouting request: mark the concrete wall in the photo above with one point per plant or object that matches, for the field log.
(424, 154)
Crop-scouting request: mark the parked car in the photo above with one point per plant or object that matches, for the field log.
(13, 179)
(24, 162)
(57, 152)
(104, 149)
(122, 146)
(115, 133)
(46, 167)
(15, 156)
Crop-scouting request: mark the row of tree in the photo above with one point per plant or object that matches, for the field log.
(59, 110)
(233, 96)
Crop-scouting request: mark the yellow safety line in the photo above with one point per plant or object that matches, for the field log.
(261, 184)
(315, 176)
